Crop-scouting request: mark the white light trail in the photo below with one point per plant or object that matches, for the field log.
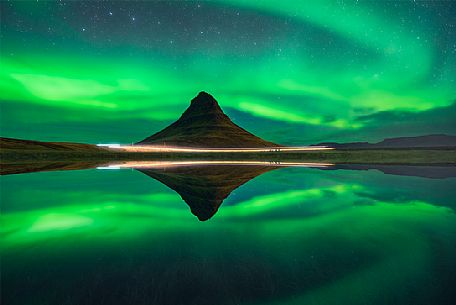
(152, 148)
(109, 145)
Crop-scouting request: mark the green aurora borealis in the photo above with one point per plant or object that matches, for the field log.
(292, 73)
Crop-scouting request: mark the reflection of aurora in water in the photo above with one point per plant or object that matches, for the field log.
(311, 236)
(106, 216)
(124, 217)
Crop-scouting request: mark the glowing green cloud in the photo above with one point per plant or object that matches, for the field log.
(317, 67)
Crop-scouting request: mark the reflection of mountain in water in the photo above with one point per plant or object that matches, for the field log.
(204, 188)
(431, 172)
(32, 167)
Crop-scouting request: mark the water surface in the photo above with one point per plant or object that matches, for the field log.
(229, 235)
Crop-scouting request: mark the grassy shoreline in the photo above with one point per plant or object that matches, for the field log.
(359, 156)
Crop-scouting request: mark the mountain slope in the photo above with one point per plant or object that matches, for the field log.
(11, 144)
(204, 124)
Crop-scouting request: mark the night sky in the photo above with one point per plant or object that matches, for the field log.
(290, 72)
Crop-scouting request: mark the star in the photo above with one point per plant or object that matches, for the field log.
(297, 43)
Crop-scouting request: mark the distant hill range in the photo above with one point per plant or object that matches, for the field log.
(204, 124)
(11, 144)
(428, 141)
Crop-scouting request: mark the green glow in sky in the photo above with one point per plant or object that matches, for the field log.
(292, 72)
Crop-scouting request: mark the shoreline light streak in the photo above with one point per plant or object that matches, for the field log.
(151, 148)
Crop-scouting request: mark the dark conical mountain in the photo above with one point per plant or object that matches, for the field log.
(204, 124)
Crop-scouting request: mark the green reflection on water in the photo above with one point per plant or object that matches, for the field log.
(310, 237)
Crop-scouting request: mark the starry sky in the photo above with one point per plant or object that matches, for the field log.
(294, 73)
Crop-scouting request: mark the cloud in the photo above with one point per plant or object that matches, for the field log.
(396, 123)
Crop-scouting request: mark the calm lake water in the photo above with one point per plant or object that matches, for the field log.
(284, 236)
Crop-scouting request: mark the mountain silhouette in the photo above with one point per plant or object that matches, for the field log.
(426, 141)
(204, 124)
(204, 188)
(20, 145)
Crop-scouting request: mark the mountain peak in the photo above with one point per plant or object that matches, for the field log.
(204, 124)
(204, 102)
(203, 95)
